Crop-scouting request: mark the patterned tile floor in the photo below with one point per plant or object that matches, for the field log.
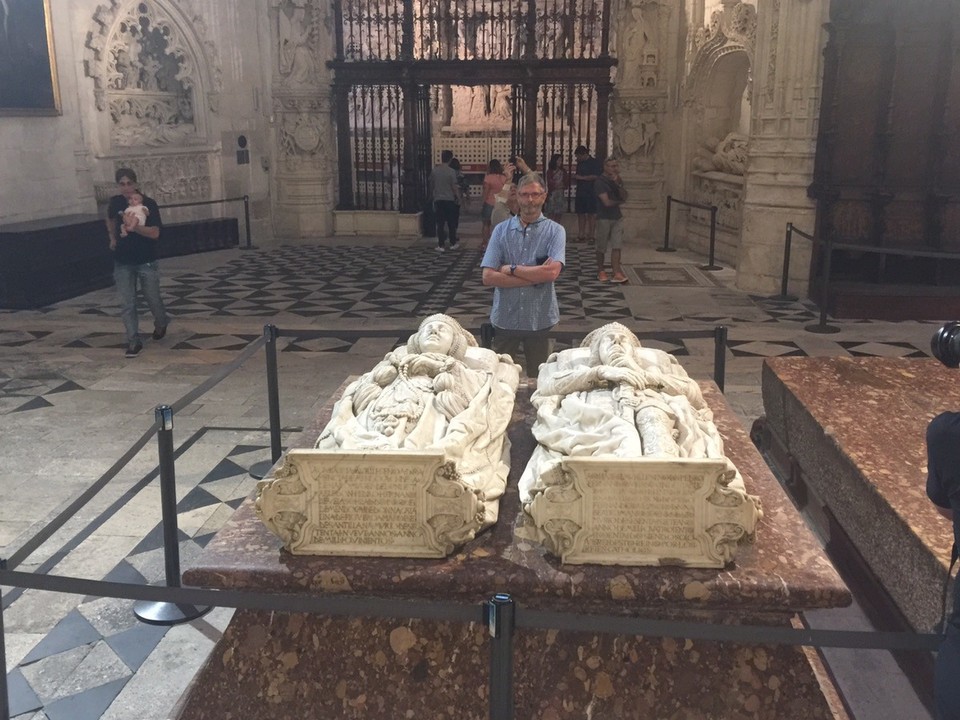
(70, 404)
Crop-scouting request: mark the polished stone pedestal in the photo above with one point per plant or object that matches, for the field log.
(271, 665)
(848, 436)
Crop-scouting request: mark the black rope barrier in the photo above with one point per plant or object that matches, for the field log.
(711, 262)
(31, 545)
(395, 608)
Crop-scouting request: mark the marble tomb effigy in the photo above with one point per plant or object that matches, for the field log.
(629, 467)
(414, 459)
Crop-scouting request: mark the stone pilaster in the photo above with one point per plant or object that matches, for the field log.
(303, 129)
(787, 78)
(638, 105)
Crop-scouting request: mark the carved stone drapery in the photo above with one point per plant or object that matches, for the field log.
(154, 71)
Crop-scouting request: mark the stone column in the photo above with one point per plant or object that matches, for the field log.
(787, 78)
(305, 143)
(638, 104)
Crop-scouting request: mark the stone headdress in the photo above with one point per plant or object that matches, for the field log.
(461, 338)
(592, 340)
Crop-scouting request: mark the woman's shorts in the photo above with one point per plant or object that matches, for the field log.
(486, 212)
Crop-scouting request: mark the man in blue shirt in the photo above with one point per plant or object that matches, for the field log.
(523, 259)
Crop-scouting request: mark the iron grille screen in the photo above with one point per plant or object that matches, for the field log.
(379, 30)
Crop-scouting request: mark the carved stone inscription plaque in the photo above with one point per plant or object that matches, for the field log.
(643, 512)
(391, 504)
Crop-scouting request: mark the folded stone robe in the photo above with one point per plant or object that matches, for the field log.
(434, 402)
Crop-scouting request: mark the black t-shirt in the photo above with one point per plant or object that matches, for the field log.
(588, 166)
(134, 249)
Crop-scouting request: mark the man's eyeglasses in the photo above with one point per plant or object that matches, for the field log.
(531, 195)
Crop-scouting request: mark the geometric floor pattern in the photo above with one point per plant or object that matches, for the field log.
(79, 668)
(93, 656)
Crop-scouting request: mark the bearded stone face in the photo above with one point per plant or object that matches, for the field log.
(615, 349)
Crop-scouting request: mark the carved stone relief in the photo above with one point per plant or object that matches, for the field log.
(303, 134)
(180, 177)
(153, 71)
(636, 129)
(725, 192)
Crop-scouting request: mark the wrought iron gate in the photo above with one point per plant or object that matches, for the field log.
(550, 56)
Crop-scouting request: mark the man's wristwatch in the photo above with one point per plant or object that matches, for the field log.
(513, 269)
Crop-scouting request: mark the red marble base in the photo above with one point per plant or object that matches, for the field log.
(293, 666)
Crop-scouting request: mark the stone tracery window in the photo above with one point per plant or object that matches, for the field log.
(151, 73)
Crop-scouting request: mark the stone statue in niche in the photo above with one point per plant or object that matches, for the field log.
(442, 393)
(638, 49)
(614, 417)
(298, 34)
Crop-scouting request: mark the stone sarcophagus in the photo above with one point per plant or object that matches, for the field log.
(389, 504)
(414, 459)
(617, 511)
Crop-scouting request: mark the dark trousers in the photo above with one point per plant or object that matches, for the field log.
(448, 217)
(946, 689)
(536, 347)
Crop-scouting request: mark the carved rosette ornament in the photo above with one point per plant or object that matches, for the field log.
(618, 511)
(383, 504)
(154, 72)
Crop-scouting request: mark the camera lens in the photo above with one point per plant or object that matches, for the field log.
(945, 344)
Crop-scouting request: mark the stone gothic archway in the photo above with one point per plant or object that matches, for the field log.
(717, 124)
(156, 80)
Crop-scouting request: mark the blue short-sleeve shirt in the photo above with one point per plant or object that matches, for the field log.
(532, 307)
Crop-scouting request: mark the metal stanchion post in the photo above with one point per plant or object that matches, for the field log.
(500, 623)
(720, 355)
(246, 221)
(666, 229)
(821, 328)
(156, 612)
(260, 469)
(711, 265)
(787, 241)
(4, 692)
(486, 335)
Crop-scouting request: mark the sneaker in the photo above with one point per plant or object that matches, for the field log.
(134, 348)
(619, 278)
(456, 245)
(159, 331)
(441, 248)
(602, 276)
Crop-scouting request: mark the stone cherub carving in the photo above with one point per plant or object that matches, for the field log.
(615, 400)
(440, 392)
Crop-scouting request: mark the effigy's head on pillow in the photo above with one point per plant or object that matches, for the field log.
(442, 334)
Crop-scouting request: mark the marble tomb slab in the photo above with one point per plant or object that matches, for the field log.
(387, 504)
(640, 511)
(281, 665)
